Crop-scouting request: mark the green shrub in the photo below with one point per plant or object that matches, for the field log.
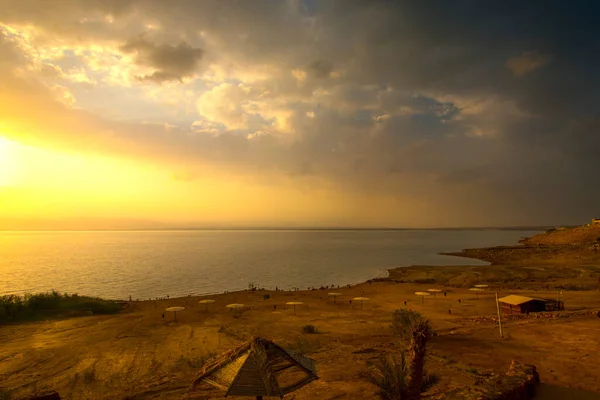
(309, 329)
(31, 306)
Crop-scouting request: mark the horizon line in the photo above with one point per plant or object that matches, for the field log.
(517, 227)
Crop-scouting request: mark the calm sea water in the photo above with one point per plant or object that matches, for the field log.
(147, 264)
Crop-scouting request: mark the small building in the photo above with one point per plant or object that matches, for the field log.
(514, 304)
(595, 220)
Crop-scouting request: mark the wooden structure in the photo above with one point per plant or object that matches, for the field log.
(258, 368)
(515, 304)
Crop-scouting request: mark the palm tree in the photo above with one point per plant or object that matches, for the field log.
(415, 330)
(392, 377)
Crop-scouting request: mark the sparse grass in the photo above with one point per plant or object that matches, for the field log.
(89, 375)
(429, 381)
(302, 345)
(309, 329)
(32, 306)
(472, 370)
(195, 361)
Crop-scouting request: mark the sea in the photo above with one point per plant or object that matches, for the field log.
(150, 264)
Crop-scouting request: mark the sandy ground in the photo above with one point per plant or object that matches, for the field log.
(137, 355)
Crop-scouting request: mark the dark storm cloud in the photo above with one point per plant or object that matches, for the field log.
(172, 62)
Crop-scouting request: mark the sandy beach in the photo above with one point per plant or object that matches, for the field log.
(139, 355)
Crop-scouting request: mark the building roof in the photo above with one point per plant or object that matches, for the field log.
(258, 368)
(515, 300)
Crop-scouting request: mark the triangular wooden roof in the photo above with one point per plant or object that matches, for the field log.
(256, 368)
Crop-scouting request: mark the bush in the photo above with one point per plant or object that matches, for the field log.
(309, 329)
(31, 306)
(89, 375)
(392, 375)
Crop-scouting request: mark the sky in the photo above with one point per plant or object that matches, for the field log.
(298, 113)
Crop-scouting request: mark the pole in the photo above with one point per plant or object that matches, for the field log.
(499, 321)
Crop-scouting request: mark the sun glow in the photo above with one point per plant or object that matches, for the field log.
(36, 181)
(9, 173)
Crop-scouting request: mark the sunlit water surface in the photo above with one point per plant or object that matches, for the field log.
(148, 264)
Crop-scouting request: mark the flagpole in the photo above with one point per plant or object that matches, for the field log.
(499, 321)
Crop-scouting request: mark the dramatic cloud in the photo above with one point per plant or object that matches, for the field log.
(463, 114)
(172, 62)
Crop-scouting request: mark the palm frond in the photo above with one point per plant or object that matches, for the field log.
(390, 376)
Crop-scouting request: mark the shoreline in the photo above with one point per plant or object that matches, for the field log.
(513, 267)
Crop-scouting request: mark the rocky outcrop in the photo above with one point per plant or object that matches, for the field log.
(519, 383)
(493, 319)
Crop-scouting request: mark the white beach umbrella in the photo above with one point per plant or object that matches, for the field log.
(476, 290)
(361, 299)
(206, 302)
(235, 307)
(294, 303)
(422, 294)
(174, 311)
(334, 295)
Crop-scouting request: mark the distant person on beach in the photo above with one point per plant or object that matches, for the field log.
(163, 316)
(458, 301)
(444, 293)
(404, 302)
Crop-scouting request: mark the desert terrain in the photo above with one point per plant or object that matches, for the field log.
(137, 354)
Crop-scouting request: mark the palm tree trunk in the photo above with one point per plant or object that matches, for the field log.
(417, 363)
